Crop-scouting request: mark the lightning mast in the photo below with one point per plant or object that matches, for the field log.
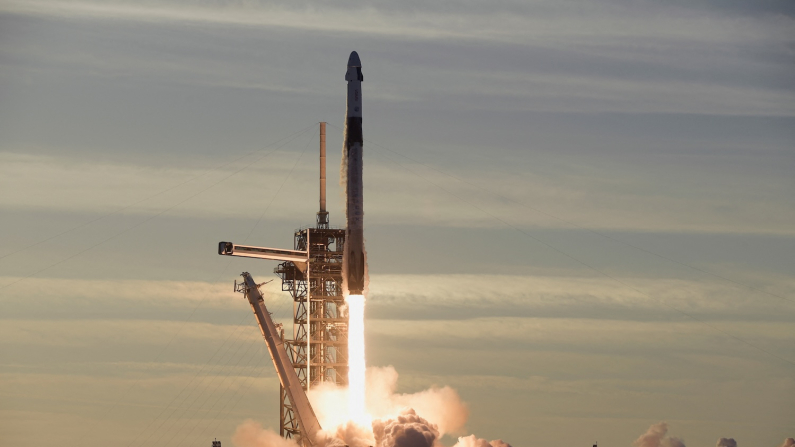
(312, 273)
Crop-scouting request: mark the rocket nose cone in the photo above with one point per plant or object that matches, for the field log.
(354, 61)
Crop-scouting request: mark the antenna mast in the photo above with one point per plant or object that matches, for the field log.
(322, 215)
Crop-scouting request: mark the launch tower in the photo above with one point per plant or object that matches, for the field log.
(312, 273)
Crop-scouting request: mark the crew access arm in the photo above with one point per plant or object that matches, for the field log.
(307, 421)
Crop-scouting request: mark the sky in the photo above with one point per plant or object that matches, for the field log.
(579, 214)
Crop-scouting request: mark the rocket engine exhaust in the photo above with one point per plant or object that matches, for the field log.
(354, 263)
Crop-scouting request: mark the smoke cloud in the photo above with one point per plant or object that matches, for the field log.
(789, 442)
(350, 434)
(398, 419)
(326, 399)
(251, 434)
(406, 430)
(726, 442)
(442, 406)
(655, 437)
(474, 441)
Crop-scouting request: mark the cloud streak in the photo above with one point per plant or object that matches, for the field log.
(584, 62)
(506, 21)
(53, 184)
(417, 297)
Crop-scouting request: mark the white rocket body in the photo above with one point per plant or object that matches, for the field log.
(354, 256)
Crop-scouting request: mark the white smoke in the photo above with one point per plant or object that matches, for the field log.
(326, 399)
(441, 406)
(655, 437)
(405, 430)
(474, 441)
(726, 442)
(350, 434)
(399, 419)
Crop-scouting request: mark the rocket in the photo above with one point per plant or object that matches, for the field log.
(354, 264)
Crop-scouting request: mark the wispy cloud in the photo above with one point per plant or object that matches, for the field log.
(507, 21)
(58, 184)
(418, 297)
(626, 201)
(583, 57)
(583, 335)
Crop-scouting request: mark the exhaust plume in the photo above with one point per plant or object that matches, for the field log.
(353, 435)
(655, 437)
(398, 419)
(356, 362)
(442, 407)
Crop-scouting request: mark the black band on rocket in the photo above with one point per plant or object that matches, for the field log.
(354, 131)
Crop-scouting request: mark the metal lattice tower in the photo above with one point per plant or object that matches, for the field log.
(319, 348)
(312, 273)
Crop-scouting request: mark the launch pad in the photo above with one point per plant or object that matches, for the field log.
(324, 266)
(312, 273)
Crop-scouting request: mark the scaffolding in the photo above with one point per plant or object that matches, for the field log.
(319, 347)
(312, 273)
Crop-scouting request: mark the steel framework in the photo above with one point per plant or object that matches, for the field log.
(319, 347)
(312, 273)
